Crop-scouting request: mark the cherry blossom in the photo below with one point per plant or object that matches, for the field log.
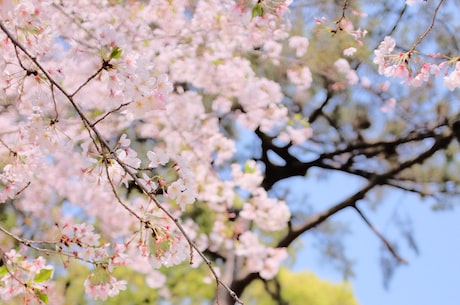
(452, 81)
(302, 78)
(343, 67)
(299, 44)
(101, 289)
(120, 119)
(349, 51)
(412, 2)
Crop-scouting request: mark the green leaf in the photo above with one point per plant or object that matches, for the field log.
(3, 270)
(249, 168)
(43, 275)
(42, 296)
(257, 10)
(116, 53)
(217, 62)
(99, 276)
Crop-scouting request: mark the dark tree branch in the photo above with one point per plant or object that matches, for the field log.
(275, 293)
(294, 167)
(318, 111)
(441, 143)
(398, 21)
(319, 218)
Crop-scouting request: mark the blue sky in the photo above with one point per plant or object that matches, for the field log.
(431, 277)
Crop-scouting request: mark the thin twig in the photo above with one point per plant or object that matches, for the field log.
(381, 237)
(101, 68)
(342, 17)
(430, 27)
(14, 153)
(32, 245)
(109, 113)
(22, 190)
(56, 117)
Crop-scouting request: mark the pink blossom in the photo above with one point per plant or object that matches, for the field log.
(302, 78)
(299, 44)
(175, 188)
(124, 141)
(273, 50)
(102, 288)
(343, 67)
(412, 2)
(452, 81)
(147, 183)
(6, 6)
(157, 157)
(349, 51)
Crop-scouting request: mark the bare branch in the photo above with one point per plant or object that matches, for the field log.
(108, 113)
(319, 218)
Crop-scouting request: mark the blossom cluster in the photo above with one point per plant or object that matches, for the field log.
(411, 68)
(20, 275)
(260, 258)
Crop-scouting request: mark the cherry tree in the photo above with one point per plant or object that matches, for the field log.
(122, 125)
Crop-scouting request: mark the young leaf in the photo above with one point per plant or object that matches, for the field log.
(257, 10)
(3, 270)
(116, 53)
(43, 275)
(42, 296)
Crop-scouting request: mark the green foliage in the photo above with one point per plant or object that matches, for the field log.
(70, 284)
(136, 293)
(325, 48)
(3, 270)
(186, 283)
(299, 289)
(41, 296)
(183, 283)
(43, 275)
(116, 53)
(202, 215)
(257, 10)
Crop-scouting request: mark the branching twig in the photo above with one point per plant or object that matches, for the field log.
(56, 117)
(101, 68)
(22, 190)
(440, 143)
(108, 113)
(32, 245)
(342, 17)
(12, 152)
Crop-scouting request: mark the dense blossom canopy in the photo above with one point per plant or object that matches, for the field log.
(120, 123)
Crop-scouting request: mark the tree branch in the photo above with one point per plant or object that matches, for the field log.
(319, 218)
(441, 143)
(294, 167)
